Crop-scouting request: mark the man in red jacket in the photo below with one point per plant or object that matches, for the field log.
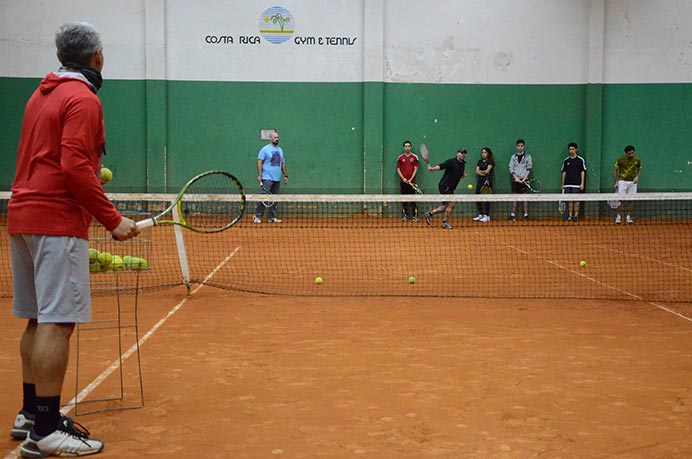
(55, 193)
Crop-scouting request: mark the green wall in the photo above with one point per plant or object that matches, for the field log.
(657, 120)
(345, 137)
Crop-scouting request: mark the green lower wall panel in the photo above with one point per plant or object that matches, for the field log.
(345, 137)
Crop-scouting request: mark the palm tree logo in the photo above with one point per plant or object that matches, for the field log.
(279, 19)
(276, 25)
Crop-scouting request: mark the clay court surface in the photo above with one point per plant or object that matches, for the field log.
(231, 375)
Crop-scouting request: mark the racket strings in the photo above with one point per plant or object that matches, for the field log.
(212, 203)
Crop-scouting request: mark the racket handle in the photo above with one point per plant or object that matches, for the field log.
(148, 223)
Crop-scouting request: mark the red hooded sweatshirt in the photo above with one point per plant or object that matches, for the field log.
(57, 188)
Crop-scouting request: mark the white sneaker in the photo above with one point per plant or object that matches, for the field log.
(274, 220)
(479, 218)
(629, 220)
(618, 220)
(485, 219)
(68, 442)
(256, 219)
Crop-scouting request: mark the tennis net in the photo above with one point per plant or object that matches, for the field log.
(360, 246)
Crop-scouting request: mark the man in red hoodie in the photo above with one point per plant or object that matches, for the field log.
(55, 193)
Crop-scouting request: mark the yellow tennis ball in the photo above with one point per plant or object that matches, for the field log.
(95, 267)
(93, 255)
(106, 175)
(582, 264)
(411, 280)
(470, 187)
(116, 263)
(134, 262)
(105, 259)
(318, 280)
(127, 262)
(143, 264)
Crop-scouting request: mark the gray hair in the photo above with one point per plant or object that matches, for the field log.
(77, 42)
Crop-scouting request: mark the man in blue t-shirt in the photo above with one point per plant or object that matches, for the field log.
(271, 165)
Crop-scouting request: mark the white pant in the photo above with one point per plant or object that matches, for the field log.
(627, 187)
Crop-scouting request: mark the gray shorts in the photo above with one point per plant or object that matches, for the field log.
(51, 278)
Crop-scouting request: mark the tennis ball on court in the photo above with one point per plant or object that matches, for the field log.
(95, 267)
(582, 264)
(106, 175)
(93, 255)
(411, 280)
(105, 259)
(116, 263)
(470, 187)
(318, 280)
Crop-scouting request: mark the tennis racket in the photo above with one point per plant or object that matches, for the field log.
(534, 185)
(416, 188)
(562, 205)
(614, 203)
(485, 188)
(209, 203)
(424, 153)
(267, 199)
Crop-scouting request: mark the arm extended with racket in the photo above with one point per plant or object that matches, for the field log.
(424, 153)
(210, 202)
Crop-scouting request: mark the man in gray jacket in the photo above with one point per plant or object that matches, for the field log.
(520, 165)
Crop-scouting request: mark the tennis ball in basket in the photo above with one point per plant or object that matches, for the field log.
(127, 262)
(95, 267)
(470, 187)
(105, 259)
(582, 264)
(411, 280)
(318, 280)
(136, 263)
(143, 264)
(116, 263)
(93, 255)
(106, 175)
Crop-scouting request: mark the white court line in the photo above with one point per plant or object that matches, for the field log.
(14, 454)
(632, 295)
(644, 257)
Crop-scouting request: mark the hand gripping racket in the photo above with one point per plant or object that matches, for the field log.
(416, 188)
(209, 203)
(424, 153)
(614, 203)
(267, 198)
(534, 185)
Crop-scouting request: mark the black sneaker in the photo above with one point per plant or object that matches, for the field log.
(428, 218)
(575, 218)
(23, 423)
(511, 218)
(526, 217)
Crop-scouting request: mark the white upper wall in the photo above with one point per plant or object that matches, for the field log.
(27, 35)
(435, 41)
(648, 41)
(487, 41)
